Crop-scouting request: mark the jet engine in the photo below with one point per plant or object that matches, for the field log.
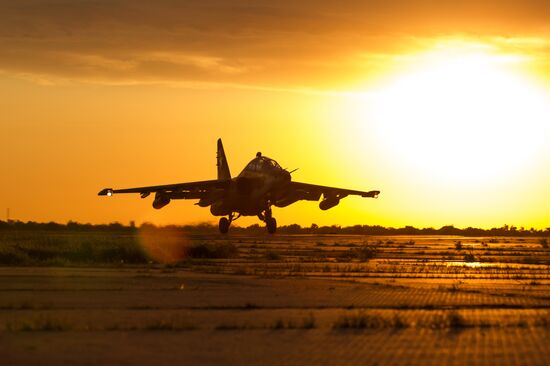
(287, 200)
(220, 208)
(160, 201)
(328, 203)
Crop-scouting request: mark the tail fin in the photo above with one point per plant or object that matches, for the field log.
(223, 167)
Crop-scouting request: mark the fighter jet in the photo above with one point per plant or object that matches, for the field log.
(262, 184)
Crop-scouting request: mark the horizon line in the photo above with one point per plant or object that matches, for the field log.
(504, 228)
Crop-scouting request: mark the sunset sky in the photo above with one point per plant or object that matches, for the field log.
(444, 106)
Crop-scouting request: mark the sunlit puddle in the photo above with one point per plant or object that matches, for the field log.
(496, 265)
(468, 264)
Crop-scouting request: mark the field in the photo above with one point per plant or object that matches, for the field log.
(99, 298)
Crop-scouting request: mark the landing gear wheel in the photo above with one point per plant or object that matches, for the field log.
(271, 225)
(224, 225)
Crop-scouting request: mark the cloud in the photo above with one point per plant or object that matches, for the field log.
(262, 43)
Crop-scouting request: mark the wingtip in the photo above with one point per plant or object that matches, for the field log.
(105, 192)
(373, 194)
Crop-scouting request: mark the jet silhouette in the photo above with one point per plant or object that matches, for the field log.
(261, 184)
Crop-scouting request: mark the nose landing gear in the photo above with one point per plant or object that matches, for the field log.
(225, 222)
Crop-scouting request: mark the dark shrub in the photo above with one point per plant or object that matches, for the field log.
(272, 255)
(212, 250)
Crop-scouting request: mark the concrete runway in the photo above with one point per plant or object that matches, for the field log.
(140, 316)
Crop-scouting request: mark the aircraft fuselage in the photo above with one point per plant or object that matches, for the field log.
(256, 188)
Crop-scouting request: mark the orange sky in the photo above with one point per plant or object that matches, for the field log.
(442, 105)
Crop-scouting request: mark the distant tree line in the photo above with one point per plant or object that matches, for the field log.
(208, 228)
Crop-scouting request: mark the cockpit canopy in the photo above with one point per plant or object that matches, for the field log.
(262, 163)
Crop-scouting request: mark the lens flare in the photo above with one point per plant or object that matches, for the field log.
(163, 245)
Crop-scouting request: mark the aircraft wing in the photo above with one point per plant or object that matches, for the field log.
(190, 190)
(312, 192)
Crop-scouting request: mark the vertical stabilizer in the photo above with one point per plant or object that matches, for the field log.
(223, 167)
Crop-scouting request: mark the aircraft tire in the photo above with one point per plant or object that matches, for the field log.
(271, 225)
(224, 225)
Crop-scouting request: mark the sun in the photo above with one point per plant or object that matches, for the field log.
(463, 115)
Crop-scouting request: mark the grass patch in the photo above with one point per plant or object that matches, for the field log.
(165, 325)
(38, 325)
(278, 325)
(449, 320)
(399, 322)
(366, 320)
(362, 253)
(470, 257)
(372, 320)
(232, 327)
(212, 251)
(454, 287)
(68, 248)
(308, 322)
(455, 320)
(542, 321)
(272, 255)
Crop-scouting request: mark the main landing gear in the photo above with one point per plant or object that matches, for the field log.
(225, 222)
(224, 225)
(270, 222)
(271, 225)
(265, 216)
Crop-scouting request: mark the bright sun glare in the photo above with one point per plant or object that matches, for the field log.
(466, 116)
